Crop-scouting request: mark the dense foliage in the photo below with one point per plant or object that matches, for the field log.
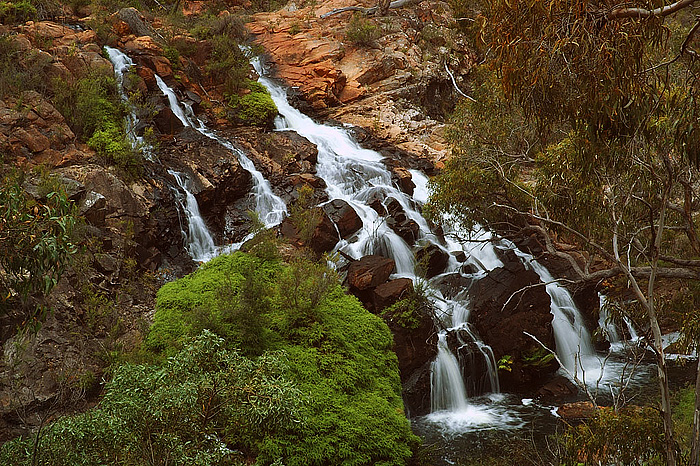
(314, 383)
(93, 109)
(338, 354)
(590, 137)
(35, 247)
(204, 406)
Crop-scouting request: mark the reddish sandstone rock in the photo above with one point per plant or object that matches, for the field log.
(391, 292)
(344, 217)
(369, 272)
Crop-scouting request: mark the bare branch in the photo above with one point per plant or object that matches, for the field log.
(621, 13)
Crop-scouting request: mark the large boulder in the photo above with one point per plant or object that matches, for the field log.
(398, 221)
(344, 216)
(369, 272)
(509, 301)
(432, 259)
(323, 238)
(390, 292)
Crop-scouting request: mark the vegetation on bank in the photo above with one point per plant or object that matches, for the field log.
(250, 358)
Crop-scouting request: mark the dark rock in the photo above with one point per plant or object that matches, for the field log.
(369, 272)
(406, 228)
(94, 208)
(460, 256)
(323, 239)
(105, 263)
(167, 122)
(557, 388)
(453, 285)
(432, 259)
(344, 217)
(376, 202)
(511, 300)
(416, 390)
(404, 180)
(390, 292)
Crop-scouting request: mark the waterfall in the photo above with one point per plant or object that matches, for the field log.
(270, 208)
(122, 64)
(604, 322)
(357, 175)
(200, 243)
(448, 391)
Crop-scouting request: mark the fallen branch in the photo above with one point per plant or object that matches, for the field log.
(367, 11)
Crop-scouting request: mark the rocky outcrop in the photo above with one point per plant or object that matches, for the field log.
(323, 237)
(33, 132)
(398, 88)
(369, 272)
(344, 216)
(511, 300)
(390, 292)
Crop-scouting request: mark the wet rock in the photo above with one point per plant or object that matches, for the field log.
(398, 221)
(344, 216)
(511, 300)
(324, 236)
(369, 272)
(453, 285)
(579, 410)
(432, 259)
(93, 208)
(404, 180)
(167, 122)
(557, 388)
(390, 292)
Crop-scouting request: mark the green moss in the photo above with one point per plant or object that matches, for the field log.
(339, 355)
(255, 108)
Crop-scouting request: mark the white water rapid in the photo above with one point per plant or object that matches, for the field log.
(122, 64)
(359, 176)
(270, 208)
(200, 243)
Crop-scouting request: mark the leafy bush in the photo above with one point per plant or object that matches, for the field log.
(17, 11)
(255, 108)
(35, 247)
(338, 354)
(204, 406)
(361, 31)
(633, 436)
(94, 111)
(20, 71)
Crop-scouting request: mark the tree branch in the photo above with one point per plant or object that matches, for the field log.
(621, 13)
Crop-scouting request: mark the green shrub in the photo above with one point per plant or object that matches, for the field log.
(94, 111)
(17, 11)
(35, 247)
(338, 354)
(361, 31)
(21, 71)
(632, 436)
(205, 406)
(253, 109)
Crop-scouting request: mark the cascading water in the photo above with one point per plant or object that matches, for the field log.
(358, 176)
(270, 208)
(200, 243)
(122, 64)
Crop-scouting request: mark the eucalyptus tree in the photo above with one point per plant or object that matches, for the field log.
(584, 128)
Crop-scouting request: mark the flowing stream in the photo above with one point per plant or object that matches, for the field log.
(270, 208)
(460, 403)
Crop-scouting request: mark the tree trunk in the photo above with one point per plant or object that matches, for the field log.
(695, 445)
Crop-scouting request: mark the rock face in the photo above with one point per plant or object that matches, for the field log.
(398, 88)
(323, 238)
(344, 216)
(390, 292)
(369, 272)
(511, 300)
